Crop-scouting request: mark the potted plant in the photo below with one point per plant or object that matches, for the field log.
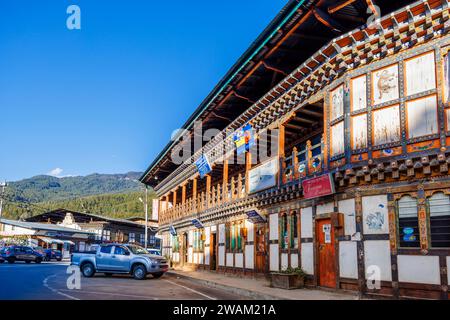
(291, 278)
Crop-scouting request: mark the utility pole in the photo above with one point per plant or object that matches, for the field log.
(3, 186)
(145, 202)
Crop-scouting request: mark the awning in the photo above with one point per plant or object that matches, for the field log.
(50, 240)
(69, 242)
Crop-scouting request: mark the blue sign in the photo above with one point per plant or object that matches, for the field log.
(244, 139)
(408, 230)
(173, 231)
(197, 224)
(254, 216)
(408, 235)
(203, 166)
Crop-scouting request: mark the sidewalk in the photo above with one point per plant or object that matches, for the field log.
(259, 288)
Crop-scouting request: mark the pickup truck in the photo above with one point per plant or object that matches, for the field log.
(120, 259)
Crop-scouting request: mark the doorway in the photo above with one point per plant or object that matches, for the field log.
(213, 252)
(326, 253)
(260, 248)
(185, 248)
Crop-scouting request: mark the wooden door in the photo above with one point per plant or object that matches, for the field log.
(212, 252)
(326, 253)
(260, 248)
(185, 248)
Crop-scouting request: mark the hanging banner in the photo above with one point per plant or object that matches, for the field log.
(203, 166)
(263, 176)
(244, 139)
(318, 187)
(197, 224)
(172, 231)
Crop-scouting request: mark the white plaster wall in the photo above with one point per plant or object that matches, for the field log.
(274, 259)
(206, 255)
(448, 268)
(207, 235)
(273, 225)
(191, 237)
(213, 228)
(325, 208)
(294, 260)
(306, 223)
(378, 253)
(307, 258)
(284, 261)
(190, 255)
(221, 256)
(419, 269)
(348, 260)
(374, 206)
(239, 263)
(12, 230)
(230, 260)
(347, 207)
(221, 233)
(176, 257)
(201, 259)
(250, 228)
(249, 263)
(195, 258)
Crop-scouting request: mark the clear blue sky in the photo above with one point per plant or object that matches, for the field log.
(106, 98)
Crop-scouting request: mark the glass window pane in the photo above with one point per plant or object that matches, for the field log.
(439, 206)
(408, 222)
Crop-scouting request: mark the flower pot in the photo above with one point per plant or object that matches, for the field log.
(287, 281)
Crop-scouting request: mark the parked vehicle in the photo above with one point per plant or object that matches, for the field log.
(21, 253)
(40, 250)
(154, 251)
(1, 257)
(52, 254)
(118, 258)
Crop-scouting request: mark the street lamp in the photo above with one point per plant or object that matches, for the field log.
(145, 202)
(3, 186)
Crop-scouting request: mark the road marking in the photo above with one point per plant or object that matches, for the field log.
(45, 283)
(190, 289)
(113, 294)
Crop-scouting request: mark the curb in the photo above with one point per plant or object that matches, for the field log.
(240, 291)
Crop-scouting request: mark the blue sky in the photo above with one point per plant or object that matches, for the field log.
(106, 98)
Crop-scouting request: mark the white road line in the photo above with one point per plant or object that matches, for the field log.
(190, 289)
(45, 283)
(113, 294)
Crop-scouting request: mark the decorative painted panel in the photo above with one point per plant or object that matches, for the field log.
(422, 117)
(307, 258)
(294, 260)
(375, 215)
(325, 208)
(359, 131)
(337, 139)
(274, 259)
(358, 91)
(284, 261)
(419, 269)
(230, 262)
(273, 225)
(420, 74)
(337, 102)
(249, 257)
(221, 233)
(239, 257)
(377, 256)
(385, 85)
(221, 256)
(386, 125)
(348, 260)
(306, 223)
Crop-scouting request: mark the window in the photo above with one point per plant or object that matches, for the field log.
(386, 125)
(142, 238)
(385, 85)
(228, 236)
(294, 230)
(175, 244)
(120, 251)
(359, 131)
(132, 237)
(151, 239)
(106, 249)
(239, 236)
(337, 139)
(422, 117)
(106, 235)
(408, 222)
(439, 208)
(283, 231)
(337, 103)
(420, 74)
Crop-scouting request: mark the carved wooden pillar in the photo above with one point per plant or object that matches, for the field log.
(281, 154)
(423, 222)
(208, 190)
(295, 163)
(174, 197)
(239, 186)
(225, 180)
(248, 166)
(233, 188)
(183, 194)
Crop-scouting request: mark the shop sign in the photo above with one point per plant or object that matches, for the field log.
(318, 187)
(244, 139)
(203, 166)
(197, 224)
(254, 216)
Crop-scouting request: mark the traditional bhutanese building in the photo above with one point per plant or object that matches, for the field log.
(333, 153)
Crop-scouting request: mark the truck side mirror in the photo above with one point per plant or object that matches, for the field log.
(127, 253)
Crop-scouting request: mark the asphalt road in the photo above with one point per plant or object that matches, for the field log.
(48, 281)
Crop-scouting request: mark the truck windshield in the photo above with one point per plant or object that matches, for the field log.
(137, 249)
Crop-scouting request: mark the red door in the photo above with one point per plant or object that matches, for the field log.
(326, 252)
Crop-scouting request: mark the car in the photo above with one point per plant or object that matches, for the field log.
(40, 250)
(21, 253)
(120, 259)
(50, 254)
(1, 258)
(154, 251)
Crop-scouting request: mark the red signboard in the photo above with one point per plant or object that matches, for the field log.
(318, 187)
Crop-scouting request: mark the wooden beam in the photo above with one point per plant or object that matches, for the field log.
(304, 120)
(311, 113)
(338, 6)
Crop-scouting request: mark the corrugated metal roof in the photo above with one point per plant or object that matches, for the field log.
(41, 226)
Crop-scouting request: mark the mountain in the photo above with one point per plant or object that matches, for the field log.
(115, 195)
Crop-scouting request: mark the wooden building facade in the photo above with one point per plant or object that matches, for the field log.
(356, 191)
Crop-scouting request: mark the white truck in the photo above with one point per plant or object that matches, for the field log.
(120, 259)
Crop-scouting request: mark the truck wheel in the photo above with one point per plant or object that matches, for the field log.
(157, 275)
(28, 261)
(11, 260)
(107, 274)
(38, 260)
(88, 270)
(139, 272)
